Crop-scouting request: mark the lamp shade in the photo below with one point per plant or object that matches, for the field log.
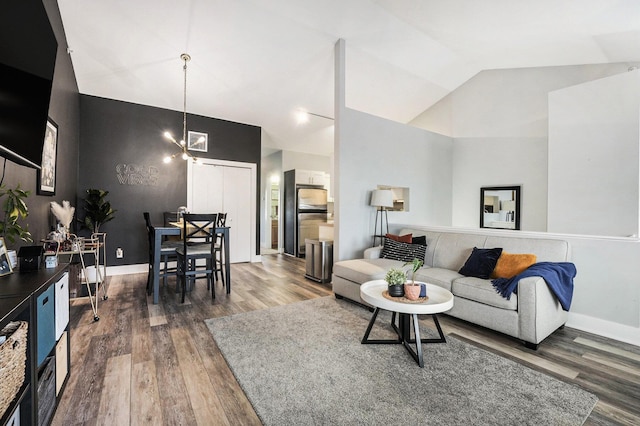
(382, 198)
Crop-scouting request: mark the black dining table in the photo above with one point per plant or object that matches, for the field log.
(159, 232)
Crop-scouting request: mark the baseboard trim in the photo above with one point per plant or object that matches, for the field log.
(143, 268)
(140, 268)
(612, 330)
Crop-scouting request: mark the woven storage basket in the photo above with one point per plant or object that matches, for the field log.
(13, 356)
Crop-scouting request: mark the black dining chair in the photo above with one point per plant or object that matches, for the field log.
(198, 242)
(167, 255)
(169, 218)
(150, 244)
(218, 248)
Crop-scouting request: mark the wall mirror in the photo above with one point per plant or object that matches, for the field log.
(500, 207)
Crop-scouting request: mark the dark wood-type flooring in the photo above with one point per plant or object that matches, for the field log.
(158, 364)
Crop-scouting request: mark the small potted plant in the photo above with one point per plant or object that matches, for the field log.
(411, 289)
(396, 278)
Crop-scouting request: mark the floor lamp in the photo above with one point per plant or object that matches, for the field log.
(382, 199)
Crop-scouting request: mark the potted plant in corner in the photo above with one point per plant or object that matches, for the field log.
(411, 289)
(396, 278)
(14, 208)
(97, 210)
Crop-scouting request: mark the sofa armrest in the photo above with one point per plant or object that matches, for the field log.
(373, 252)
(540, 312)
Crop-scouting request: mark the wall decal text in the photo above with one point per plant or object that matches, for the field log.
(137, 174)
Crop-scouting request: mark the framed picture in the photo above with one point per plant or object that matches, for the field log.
(47, 173)
(197, 141)
(5, 264)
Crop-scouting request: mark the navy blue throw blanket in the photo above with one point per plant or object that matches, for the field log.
(558, 275)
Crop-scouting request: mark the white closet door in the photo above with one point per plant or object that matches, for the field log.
(225, 189)
(237, 202)
(207, 186)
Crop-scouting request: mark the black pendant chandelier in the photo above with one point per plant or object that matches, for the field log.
(182, 144)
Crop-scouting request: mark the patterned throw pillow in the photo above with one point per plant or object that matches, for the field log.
(403, 252)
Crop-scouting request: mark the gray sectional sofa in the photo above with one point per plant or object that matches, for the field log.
(530, 315)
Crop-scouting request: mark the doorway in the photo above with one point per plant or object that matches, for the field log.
(274, 213)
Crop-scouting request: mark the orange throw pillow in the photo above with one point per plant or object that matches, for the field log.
(510, 265)
(400, 238)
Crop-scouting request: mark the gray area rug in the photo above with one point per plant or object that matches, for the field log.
(303, 364)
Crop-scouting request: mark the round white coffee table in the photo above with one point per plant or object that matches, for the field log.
(439, 300)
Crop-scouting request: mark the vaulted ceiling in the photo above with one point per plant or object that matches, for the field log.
(258, 61)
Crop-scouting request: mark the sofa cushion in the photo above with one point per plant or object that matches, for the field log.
(509, 264)
(363, 270)
(453, 249)
(402, 252)
(482, 291)
(546, 250)
(438, 276)
(402, 238)
(481, 262)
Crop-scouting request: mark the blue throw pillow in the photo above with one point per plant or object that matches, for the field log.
(481, 262)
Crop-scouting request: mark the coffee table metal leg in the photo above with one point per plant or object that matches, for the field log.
(406, 341)
(441, 339)
(371, 322)
(416, 331)
(403, 330)
(365, 340)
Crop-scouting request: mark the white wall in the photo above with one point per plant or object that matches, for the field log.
(606, 287)
(594, 132)
(499, 120)
(375, 151)
(479, 162)
(303, 161)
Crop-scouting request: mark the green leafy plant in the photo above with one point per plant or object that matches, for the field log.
(97, 209)
(14, 208)
(395, 276)
(415, 265)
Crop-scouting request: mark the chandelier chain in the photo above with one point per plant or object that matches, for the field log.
(186, 59)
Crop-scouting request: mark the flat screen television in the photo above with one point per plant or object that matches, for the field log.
(24, 105)
(27, 61)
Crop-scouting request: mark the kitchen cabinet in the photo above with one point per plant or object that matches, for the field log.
(30, 297)
(311, 177)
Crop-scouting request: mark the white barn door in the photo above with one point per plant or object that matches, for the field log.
(213, 187)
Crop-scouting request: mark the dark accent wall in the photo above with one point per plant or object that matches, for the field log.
(122, 151)
(65, 111)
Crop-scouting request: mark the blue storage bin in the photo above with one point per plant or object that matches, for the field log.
(46, 323)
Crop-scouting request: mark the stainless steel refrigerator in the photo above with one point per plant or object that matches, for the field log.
(312, 212)
(305, 209)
